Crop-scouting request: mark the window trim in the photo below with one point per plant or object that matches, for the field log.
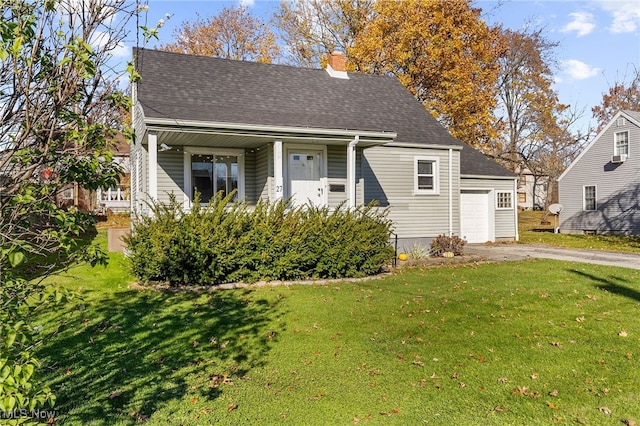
(615, 143)
(189, 151)
(584, 198)
(497, 198)
(436, 176)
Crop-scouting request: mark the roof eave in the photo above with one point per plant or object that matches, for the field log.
(462, 175)
(165, 124)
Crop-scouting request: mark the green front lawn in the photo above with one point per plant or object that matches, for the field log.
(532, 231)
(510, 343)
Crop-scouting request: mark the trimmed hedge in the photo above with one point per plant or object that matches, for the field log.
(227, 242)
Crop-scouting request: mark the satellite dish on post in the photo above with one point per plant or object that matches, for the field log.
(555, 210)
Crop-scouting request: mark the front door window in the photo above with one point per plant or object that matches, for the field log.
(304, 178)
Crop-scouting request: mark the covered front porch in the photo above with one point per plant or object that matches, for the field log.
(320, 167)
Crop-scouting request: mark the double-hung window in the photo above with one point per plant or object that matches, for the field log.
(589, 197)
(426, 175)
(621, 143)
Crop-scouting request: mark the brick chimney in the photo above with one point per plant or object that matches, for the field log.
(337, 60)
(337, 65)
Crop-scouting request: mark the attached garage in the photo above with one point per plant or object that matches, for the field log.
(475, 217)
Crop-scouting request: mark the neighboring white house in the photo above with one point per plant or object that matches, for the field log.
(532, 190)
(600, 190)
(323, 137)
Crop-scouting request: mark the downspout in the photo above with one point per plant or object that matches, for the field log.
(515, 208)
(450, 192)
(351, 172)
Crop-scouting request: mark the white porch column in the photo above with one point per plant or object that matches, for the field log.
(153, 165)
(351, 173)
(277, 171)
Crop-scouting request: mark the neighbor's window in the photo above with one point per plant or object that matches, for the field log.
(522, 197)
(426, 175)
(621, 143)
(589, 197)
(504, 200)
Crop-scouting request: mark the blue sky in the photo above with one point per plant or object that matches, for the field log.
(599, 39)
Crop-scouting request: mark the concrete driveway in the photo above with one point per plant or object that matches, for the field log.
(502, 252)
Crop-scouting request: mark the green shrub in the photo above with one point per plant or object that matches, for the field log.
(227, 242)
(444, 243)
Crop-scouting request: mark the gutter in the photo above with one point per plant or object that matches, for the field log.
(351, 171)
(450, 192)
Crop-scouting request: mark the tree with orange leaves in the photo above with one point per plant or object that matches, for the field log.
(621, 96)
(444, 53)
(233, 34)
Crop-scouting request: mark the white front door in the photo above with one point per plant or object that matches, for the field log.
(474, 216)
(304, 177)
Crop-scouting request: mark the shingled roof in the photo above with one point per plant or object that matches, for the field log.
(200, 88)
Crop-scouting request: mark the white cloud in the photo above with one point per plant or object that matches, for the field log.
(582, 24)
(102, 40)
(247, 3)
(578, 70)
(625, 14)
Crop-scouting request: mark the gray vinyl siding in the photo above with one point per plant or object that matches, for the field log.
(504, 219)
(170, 175)
(617, 187)
(264, 172)
(388, 174)
(337, 174)
(250, 196)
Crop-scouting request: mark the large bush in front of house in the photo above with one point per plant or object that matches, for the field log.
(228, 242)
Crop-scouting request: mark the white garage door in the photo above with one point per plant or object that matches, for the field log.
(474, 216)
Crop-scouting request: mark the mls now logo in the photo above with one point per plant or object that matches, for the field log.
(31, 414)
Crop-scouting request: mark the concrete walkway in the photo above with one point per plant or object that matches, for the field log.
(502, 252)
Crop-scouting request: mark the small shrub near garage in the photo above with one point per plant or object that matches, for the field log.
(447, 244)
(228, 242)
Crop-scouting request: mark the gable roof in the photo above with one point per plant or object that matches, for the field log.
(189, 87)
(633, 116)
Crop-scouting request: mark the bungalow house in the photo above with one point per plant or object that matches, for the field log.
(115, 199)
(600, 190)
(323, 137)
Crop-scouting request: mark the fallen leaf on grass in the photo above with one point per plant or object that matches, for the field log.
(503, 380)
(390, 413)
(216, 380)
(605, 410)
(553, 392)
(623, 333)
(580, 319)
(232, 407)
(629, 422)
(552, 406)
(520, 390)
(114, 395)
(315, 397)
(534, 376)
